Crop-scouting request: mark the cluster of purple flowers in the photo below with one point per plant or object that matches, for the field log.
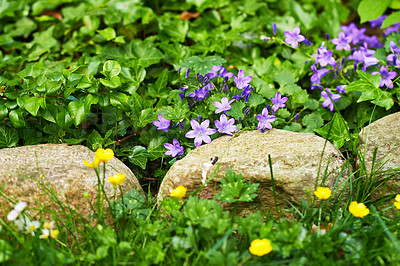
(351, 39)
(347, 39)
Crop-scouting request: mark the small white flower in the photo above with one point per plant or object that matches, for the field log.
(20, 206)
(32, 226)
(45, 234)
(12, 215)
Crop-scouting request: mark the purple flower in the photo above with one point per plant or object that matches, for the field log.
(223, 106)
(237, 97)
(187, 73)
(246, 112)
(318, 74)
(293, 38)
(307, 42)
(369, 61)
(213, 73)
(328, 101)
(393, 59)
(278, 101)
(373, 41)
(200, 94)
(325, 57)
(377, 22)
(386, 77)
(274, 28)
(296, 117)
(200, 132)
(242, 80)
(341, 88)
(173, 149)
(394, 48)
(225, 74)
(357, 35)
(246, 92)
(162, 123)
(224, 125)
(342, 43)
(264, 121)
(391, 29)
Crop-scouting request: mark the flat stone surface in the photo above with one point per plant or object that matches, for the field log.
(383, 134)
(295, 158)
(26, 171)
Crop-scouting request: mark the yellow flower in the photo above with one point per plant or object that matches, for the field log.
(397, 201)
(323, 193)
(104, 155)
(93, 164)
(358, 209)
(54, 233)
(260, 247)
(117, 179)
(179, 192)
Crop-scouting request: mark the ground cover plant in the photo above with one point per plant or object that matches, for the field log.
(148, 81)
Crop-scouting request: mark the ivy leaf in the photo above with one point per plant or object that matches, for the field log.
(108, 33)
(33, 104)
(17, 118)
(386, 100)
(156, 147)
(77, 111)
(8, 137)
(63, 119)
(138, 156)
(335, 130)
(201, 66)
(146, 55)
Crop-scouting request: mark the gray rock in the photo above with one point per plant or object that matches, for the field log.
(383, 134)
(295, 159)
(26, 171)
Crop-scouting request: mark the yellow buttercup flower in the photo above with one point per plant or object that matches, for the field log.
(260, 247)
(104, 155)
(93, 164)
(397, 201)
(54, 233)
(358, 209)
(117, 179)
(323, 193)
(179, 192)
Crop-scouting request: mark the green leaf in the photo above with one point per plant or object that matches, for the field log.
(156, 147)
(8, 138)
(255, 100)
(33, 104)
(336, 131)
(63, 118)
(77, 111)
(17, 118)
(391, 19)
(146, 56)
(236, 110)
(108, 33)
(120, 100)
(176, 113)
(111, 69)
(138, 156)
(372, 9)
(235, 189)
(201, 66)
(386, 100)
(146, 116)
(312, 121)
(6, 251)
(3, 111)
(159, 89)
